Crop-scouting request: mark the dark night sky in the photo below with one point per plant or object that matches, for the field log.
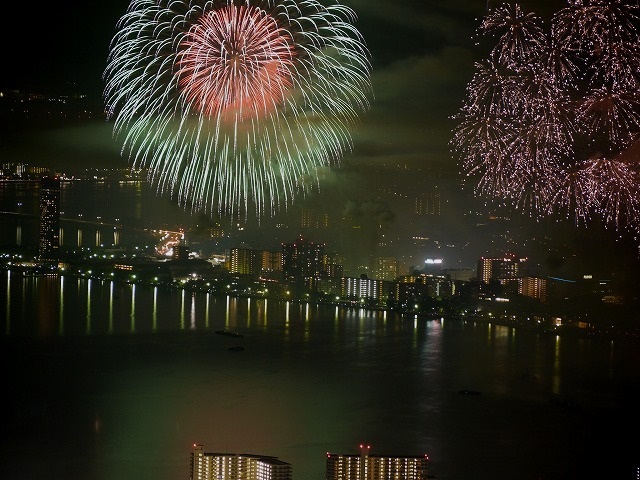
(422, 57)
(53, 43)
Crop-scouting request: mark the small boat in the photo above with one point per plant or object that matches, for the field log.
(468, 392)
(229, 333)
(237, 348)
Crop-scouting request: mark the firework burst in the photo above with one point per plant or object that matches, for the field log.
(551, 122)
(236, 104)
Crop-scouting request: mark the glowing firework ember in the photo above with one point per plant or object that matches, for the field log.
(236, 103)
(551, 121)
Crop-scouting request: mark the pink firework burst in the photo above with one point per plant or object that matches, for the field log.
(551, 123)
(235, 63)
(236, 105)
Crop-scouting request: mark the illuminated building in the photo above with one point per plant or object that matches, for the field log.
(311, 218)
(501, 276)
(232, 466)
(49, 233)
(180, 251)
(302, 259)
(249, 261)
(429, 203)
(333, 265)
(501, 269)
(534, 287)
(329, 285)
(244, 261)
(271, 261)
(413, 289)
(364, 288)
(386, 268)
(432, 265)
(375, 467)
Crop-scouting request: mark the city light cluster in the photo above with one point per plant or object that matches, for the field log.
(551, 121)
(234, 105)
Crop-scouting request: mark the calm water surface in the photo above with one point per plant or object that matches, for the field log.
(115, 382)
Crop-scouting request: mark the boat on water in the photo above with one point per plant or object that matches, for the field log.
(468, 392)
(229, 333)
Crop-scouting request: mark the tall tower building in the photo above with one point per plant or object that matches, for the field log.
(302, 259)
(49, 233)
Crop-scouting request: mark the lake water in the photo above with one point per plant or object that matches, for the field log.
(116, 381)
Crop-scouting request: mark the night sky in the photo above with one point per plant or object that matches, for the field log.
(422, 56)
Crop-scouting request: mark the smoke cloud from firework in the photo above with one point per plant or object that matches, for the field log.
(234, 105)
(553, 113)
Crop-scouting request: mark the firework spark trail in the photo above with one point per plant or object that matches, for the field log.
(235, 104)
(551, 117)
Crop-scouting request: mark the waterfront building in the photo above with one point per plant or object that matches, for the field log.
(364, 288)
(249, 261)
(49, 231)
(329, 285)
(502, 274)
(506, 268)
(244, 261)
(375, 467)
(414, 289)
(233, 466)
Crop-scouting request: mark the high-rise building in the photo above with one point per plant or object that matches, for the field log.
(302, 259)
(249, 261)
(429, 203)
(312, 218)
(244, 261)
(534, 287)
(375, 467)
(271, 261)
(502, 269)
(233, 466)
(49, 233)
(386, 268)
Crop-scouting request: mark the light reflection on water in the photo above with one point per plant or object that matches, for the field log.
(124, 378)
(68, 305)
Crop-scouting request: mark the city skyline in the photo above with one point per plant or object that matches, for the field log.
(372, 232)
(422, 58)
